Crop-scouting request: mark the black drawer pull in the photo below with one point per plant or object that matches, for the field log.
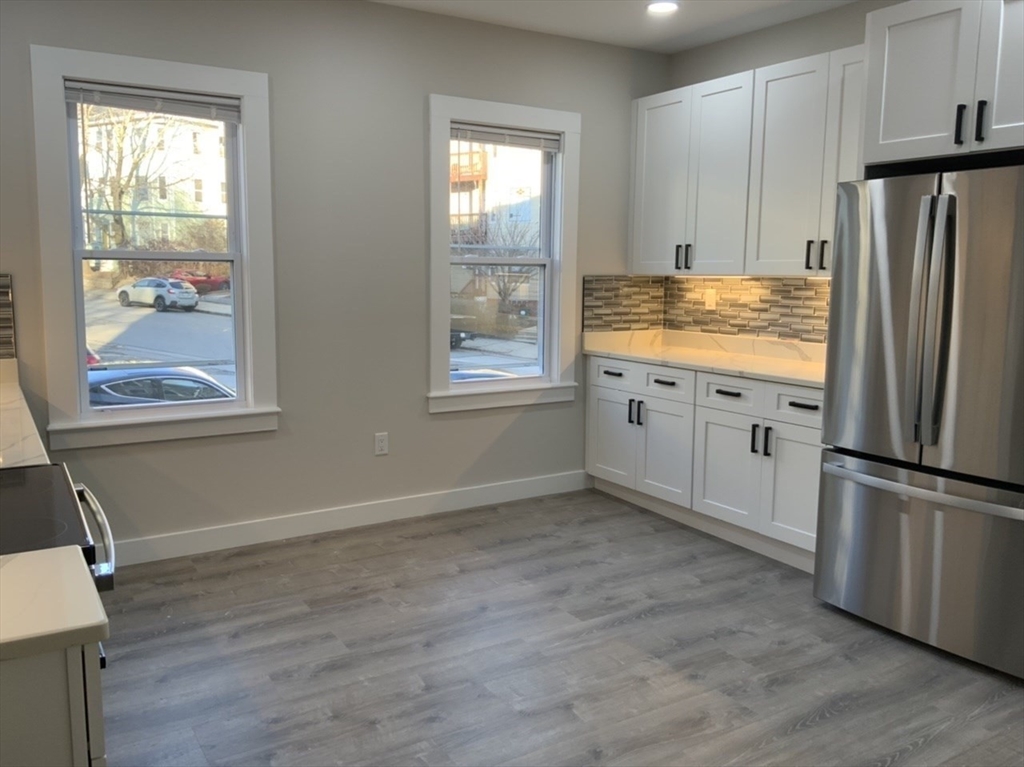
(821, 253)
(804, 405)
(979, 125)
(767, 436)
(663, 382)
(753, 438)
(613, 373)
(679, 251)
(807, 255)
(639, 420)
(630, 416)
(727, 393)
(686, 256)
(958, 135)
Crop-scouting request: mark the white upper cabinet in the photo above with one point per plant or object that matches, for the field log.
(787, 159)
(944, 77)
(843, 145)
(691, 165)
(999, 90)
(719, 171)
(661, 131)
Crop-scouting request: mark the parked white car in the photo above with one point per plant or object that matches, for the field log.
(160, 293)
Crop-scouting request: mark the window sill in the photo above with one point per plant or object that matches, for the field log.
(535, 394)
(126, 431)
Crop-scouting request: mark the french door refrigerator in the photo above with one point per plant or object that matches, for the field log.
(921, 506)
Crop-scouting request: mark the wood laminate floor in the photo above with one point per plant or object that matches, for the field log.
(567, 630)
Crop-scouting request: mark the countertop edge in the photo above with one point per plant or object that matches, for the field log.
(703, 368)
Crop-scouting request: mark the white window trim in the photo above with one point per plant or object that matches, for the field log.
(559, 384)
(72, 425)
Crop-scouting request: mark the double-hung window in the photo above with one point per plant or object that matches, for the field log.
(158, 307)
(504, 185)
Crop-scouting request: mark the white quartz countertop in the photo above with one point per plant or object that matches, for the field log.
(48, 602)
(788, 362)
(20, 444)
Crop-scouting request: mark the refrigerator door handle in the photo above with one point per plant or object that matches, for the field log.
(912, 395)
(930, 496)
(935, 337)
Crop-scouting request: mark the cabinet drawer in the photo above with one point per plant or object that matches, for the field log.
(737, 395)
(667, 383)
(615, 374)
(798, 405)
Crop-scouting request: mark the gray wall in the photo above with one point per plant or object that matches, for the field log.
(828, 31)
(349, 84)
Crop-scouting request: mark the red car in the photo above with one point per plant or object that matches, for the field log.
(203, 283)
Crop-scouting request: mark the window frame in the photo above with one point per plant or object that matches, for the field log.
(558, 384)
(72, 422)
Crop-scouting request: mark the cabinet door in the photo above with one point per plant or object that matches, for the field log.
(611, 438)
(787, 156)
(726, 470)
(843, 131)
(664, 458)
(789, 483)
(1000, 80)
(719, 172)
(662, 126)
(921, 62)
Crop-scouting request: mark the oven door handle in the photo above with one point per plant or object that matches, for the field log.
(103, 572)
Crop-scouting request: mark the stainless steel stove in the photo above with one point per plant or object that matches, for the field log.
(41, 508)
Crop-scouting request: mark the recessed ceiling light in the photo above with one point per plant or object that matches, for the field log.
(662, 7)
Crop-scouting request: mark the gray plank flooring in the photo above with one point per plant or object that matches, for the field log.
(567, 630)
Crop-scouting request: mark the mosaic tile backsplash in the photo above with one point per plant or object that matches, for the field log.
(788, 308)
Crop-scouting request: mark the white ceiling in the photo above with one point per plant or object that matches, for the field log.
(626, 22)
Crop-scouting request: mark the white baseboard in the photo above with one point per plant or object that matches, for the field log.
(777, 550)
(188, 542)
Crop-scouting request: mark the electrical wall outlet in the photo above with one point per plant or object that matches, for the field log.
(380, 443)
(710, 299)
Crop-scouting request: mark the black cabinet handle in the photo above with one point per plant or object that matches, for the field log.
(663, 382)
(821, 253)
(727, 393)
(612, 373)
(630, 416)
(979, 122)
(767, 436)
(639, 404)
(679, 253)
(958, 136)
(753, 438)
(807, 255)
(686, 256)
(804, 405)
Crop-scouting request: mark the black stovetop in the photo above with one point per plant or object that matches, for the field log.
(39, 510)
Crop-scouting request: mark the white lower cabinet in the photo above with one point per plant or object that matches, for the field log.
(640, 427)
(748, 453)
(726, 471)
(790, 469)
(611, 436)
(757, 472)
(664, 451)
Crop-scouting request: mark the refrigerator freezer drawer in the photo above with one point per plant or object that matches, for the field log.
(936, 560)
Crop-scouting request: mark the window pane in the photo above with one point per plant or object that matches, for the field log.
(496, 322)
(142, 176)
(150, 320)
(496, 200)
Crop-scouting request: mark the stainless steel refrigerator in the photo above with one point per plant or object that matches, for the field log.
(921, 506)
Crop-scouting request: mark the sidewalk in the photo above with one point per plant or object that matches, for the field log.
(215, 303)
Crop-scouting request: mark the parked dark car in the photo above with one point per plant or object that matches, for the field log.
(137, 386)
